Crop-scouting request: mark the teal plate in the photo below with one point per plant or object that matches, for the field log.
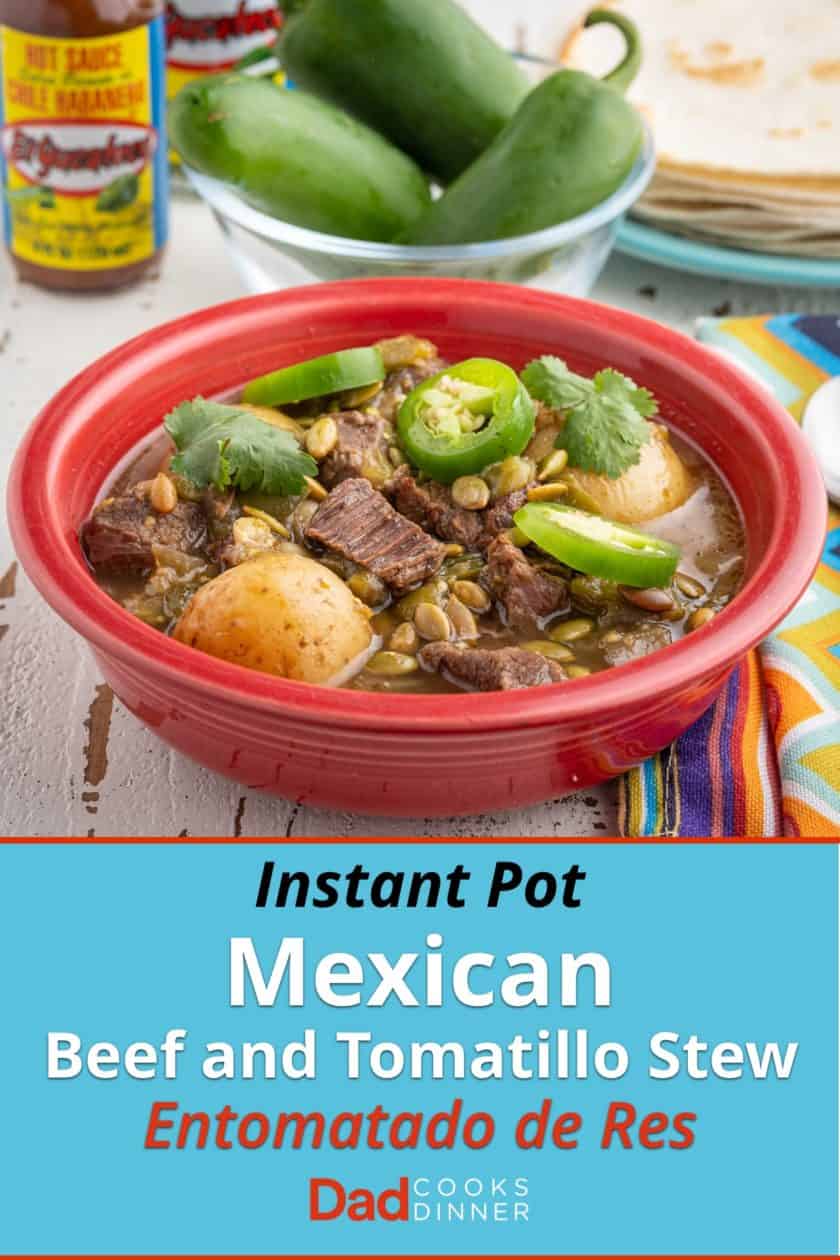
(651, 245)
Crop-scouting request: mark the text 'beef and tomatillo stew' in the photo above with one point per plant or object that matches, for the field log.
(382, 520)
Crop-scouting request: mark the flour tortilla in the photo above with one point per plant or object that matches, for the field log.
(731, 86)
(746, 215)
(744, 103)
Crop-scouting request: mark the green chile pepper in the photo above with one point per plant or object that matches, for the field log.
(297, 158)
(465, 418)
(603, 549)
(569, 146)
(420, 71)
(121, 192)
(316, 378)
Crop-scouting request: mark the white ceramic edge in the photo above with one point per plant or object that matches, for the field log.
(821, 426)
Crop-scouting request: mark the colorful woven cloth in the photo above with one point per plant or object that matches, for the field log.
(764, 760)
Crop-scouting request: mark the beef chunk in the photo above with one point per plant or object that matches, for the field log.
(359, 523)
(500, 669)
(500, 516)
(624, 643)
(222, 511)
(430, 505)
(398, 385)
(361, 450)
(121, 532)
(526, 593)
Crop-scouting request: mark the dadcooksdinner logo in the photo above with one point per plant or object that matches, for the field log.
(489, 1200)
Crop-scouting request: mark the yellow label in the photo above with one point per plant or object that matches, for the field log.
(83, 163)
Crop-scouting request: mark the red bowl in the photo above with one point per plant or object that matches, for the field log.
(424, 755)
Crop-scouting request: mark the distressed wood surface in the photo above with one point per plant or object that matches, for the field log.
(73, 761)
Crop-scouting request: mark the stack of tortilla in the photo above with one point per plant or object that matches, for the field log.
(744, 102)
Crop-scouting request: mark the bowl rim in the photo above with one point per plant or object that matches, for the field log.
(228, 206)
(52, 556)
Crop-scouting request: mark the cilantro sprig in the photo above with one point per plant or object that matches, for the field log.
(605, 427)
(220, 445)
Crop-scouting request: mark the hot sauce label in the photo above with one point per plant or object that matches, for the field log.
(82, 158)
(209, 35)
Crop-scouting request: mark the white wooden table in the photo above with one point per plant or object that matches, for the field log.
(72, 760)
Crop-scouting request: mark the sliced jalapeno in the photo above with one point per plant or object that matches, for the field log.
(464, 418)
(604, 549)
(316, 378)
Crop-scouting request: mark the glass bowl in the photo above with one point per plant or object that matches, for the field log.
(270, 254)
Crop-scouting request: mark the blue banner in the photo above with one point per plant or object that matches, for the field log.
(580, 1048)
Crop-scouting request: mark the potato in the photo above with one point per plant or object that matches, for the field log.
(283, 614)
(659, 483)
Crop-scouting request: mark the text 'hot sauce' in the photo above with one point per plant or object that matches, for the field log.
(83, 163)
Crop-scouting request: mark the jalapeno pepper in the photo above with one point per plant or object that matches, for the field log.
(421, 72)
(571, 143)
(591, 544)
(316, 378)
(464, 418)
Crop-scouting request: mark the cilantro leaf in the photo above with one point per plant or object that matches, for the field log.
(549, 380)
(222, 446)
(605, 427)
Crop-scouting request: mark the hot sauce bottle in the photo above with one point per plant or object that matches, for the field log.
(208, 36)
(83, 163)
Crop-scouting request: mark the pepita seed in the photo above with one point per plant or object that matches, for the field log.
(267, 519)
(315, 490)
(541, 445)
(470, 493)
(434, 592)
(463, 622)
(570, 631)
(162, 494)
(700, 617)
(453, 549)
(689, 586)
(358, 397)
(551, 490)
(271, 415)
(383, 623)
(391, 664)
(432, 623)
(511, 474)
(404, 639)
(552, 465)
(471, 594)
(367, 587)
(655, 599)
(577, 671)
(321, 438)
(303, 514)
(554, 651)
(396, 456)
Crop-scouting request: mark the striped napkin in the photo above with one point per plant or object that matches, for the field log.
(764, 760)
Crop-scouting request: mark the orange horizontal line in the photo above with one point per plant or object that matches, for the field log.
(302, 840)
